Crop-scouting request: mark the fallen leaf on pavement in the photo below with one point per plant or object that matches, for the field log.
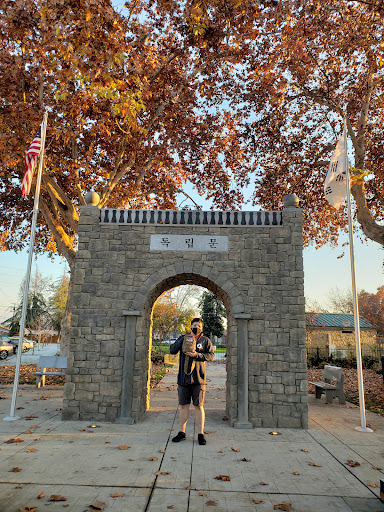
(32, 450)
(162, 473)
(98, 505)
(295, 473)
(153, 458)
(14, 470)
(203, 494)
(328, 419)
(220, 451)
(170, 506)
(28, 508)
(41, 495)
(211, 503)
(123, 446)
(234, 449)
(117, 495)
(28, 432)
(370, 484)
(188, 487)
(14, 440)
(245, 460)
(57, 497)
(257, 501)
(225, 478)
(283, 506)
(304, 450)
(19, 486)
(263, 483)
(314, 465)
(352, 463)
(162, 451)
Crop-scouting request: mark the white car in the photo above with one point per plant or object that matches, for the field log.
(169, 342)
(6, 347)
(14, 340)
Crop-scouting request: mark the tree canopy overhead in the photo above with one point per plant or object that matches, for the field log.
(308, 65)
(126, 116)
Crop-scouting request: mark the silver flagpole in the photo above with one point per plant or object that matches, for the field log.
(12, 416)
(363, 427)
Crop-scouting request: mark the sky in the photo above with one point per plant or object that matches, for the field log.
(323, 270)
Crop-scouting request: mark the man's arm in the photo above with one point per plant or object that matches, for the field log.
(176, 347)
(208, 354)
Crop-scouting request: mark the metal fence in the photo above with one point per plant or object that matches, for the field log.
(370, 354)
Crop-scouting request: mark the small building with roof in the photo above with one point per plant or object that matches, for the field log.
(336, 331)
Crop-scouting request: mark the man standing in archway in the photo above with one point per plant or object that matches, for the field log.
(192, 379)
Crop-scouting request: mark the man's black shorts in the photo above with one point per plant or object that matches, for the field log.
(194, 391)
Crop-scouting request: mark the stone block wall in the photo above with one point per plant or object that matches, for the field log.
(259, 278)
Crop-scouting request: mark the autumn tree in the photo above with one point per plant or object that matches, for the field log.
(169, 318)
(127, 116)
(311, 64)
(371, 305)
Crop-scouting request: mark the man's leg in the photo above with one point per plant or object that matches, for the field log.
(200, 418)
(183, 417)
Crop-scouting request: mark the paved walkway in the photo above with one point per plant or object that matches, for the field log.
(83, 463)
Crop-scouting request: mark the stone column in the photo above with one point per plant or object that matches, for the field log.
(128, 366)
(242, 371)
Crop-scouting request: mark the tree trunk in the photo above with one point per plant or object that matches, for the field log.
(66, 321)
(370, 227)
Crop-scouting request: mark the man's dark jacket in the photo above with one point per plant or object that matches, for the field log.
(205, 353)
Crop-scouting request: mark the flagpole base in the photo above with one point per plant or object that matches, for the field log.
(363, 429)
(12, 418)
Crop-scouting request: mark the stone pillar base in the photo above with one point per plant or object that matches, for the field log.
(240, 424)
(127, 420)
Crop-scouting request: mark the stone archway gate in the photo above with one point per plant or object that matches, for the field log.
(251, 260)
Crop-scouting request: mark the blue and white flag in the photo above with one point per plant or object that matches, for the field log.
(335, 186)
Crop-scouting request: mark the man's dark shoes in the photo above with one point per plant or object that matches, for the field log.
(201, 439)
(180, 437)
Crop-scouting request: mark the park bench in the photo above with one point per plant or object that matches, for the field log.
(332, 386)
(58, 363)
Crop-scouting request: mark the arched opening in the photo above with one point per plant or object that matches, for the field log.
(146, 328)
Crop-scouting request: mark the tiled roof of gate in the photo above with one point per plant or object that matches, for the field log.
(335, 320)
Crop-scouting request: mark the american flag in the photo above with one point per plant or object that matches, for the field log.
(30, 162)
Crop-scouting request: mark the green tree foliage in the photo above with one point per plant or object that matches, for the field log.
(36, 308)
(57, 302)
(213, 313)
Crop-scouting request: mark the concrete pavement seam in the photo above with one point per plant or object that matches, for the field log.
(161, 462)
(343, 465)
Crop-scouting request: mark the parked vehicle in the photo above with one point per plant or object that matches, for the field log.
(14, 340)
(6, 347)
(169, 342)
